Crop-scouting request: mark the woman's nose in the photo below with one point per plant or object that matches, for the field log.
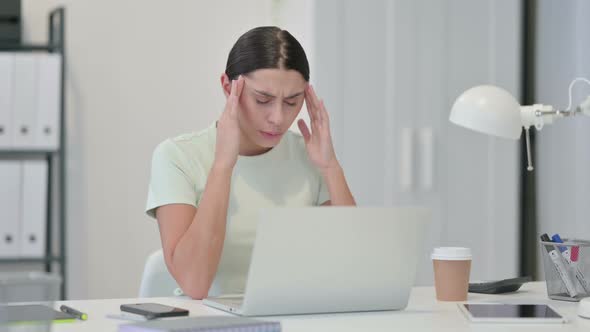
(276, 115)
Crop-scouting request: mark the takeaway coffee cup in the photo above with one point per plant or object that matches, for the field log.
(451, 273)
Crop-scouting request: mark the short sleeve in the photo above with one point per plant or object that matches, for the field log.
(324, 194)
(170, 182)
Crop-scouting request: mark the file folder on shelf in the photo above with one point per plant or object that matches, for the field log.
(6, 99)
(48, 101)
(10, 208)
(24, 109)
(33, 208)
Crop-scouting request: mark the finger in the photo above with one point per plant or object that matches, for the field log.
(232, 99)
(304, 130)
(318, 112)
(325, 116)
(325, 121)
(314, 127)
(309, 104)
(313, 97)
(233, 108)
(240, 86)
(313, 119)
(232, 89)
(315, 101)
(321, 113)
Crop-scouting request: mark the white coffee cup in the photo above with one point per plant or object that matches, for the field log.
(452, 266)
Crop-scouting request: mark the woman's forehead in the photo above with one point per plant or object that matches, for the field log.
(277, 82)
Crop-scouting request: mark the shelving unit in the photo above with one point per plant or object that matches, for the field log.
(56, 160)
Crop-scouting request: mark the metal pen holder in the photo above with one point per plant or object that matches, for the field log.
(567, 269)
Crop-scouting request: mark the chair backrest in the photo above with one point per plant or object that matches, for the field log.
(156, 281)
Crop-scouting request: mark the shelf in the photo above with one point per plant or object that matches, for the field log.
(56, 180)
(24, 152)
(28, 47)
(15, 260)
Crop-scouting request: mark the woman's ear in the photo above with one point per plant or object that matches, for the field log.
(225, 84)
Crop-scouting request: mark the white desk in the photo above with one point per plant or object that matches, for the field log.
(423, 313)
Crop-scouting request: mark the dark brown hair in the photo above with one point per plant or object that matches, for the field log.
(265, 48)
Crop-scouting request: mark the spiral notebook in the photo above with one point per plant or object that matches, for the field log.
(202, 324)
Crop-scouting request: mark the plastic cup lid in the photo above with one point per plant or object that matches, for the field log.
(451, 253)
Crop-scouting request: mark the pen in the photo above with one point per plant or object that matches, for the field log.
(559, 267)
(74, 312)
(583, 281)
(569, 257)
(564, 250)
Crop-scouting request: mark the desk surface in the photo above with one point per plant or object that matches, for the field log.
(423, 313)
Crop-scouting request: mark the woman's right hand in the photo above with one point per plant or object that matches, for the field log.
(227, 146)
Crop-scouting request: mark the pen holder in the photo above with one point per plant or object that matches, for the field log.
(567, 269)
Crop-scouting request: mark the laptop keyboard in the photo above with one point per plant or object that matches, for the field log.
(235, 302)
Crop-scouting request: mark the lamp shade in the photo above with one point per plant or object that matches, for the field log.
(488, 109)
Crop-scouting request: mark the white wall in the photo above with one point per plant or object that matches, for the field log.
(563, 148)
(138, 72)
(390, 67)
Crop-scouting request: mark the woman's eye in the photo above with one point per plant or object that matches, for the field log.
(262, 102)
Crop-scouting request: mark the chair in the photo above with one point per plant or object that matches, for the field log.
(156, 281)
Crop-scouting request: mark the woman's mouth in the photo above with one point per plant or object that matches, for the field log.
(270, 134)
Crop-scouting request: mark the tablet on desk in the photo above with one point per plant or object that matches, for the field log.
(511, 313)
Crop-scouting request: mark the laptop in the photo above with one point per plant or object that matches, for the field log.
(330, 259)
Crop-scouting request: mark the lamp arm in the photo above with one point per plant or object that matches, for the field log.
(539, 115)
(583, 108)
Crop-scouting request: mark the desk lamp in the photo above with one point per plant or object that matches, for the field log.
(494, 111)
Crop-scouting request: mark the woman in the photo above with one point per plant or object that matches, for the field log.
(207, 187)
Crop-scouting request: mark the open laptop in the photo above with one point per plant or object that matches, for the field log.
(330, 259)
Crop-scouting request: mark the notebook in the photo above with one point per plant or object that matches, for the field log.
(202, 324)
(29, 313)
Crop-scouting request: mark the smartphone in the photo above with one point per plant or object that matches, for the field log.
(153, 310)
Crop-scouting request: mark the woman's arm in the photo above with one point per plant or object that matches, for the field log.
(192, 238)
(338, 188)
(320, 150)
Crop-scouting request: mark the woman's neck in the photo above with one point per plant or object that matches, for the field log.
(249, 148)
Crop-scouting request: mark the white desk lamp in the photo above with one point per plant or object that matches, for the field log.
(494, 111)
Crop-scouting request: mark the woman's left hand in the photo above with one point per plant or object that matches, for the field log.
(319, 142)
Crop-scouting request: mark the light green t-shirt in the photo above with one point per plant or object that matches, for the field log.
(282, 176)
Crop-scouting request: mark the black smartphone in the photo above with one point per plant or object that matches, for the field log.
(153, 310)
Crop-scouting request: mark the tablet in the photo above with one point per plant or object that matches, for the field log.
(511, 313)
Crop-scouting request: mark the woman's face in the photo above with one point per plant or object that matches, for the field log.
(270, 102)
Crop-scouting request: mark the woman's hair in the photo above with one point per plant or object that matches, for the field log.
(266, 48)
